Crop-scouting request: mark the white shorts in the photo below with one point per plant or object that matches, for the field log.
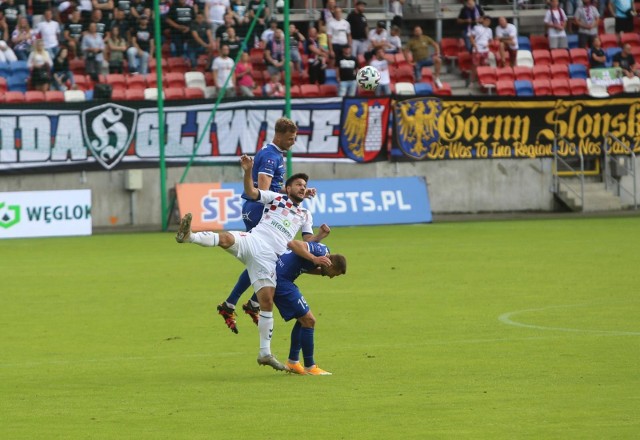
(259, 258)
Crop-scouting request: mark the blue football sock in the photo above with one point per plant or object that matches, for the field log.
(306, 341)
(243, 284)
(294, 351)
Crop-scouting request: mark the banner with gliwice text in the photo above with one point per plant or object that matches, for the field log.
(45, 213)
(98, 135)
(350, 202)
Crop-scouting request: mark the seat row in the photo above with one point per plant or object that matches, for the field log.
(489, 76)
(564, 87)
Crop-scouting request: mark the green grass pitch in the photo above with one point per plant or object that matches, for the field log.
(480, 330)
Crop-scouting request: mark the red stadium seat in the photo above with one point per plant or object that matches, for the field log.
(506, 88)
(449, 47)
(83, 82)
(404, 73)
(541, 87)
(193, 93)
(13, 97)
(116, 81)
(400, 59)
(541, 72)
(539, 42)
(609, 40)
(136, 82)
(541, 56)
(559, 71)
(208, 78)
(427, 75)
(295, 92)
(487, 77)
(173, 93)
(257, 77)
(464, 61)
(505, 74)
(615, 89)
(578, 86)
(152, 65)
(560, 87)
(328, 90)
(579, 56)
(34, 96)
(119, 94)
(445, 90)
(178, 65)
(77, 66)
(523, 73)
(560, 56)
(152, 80)
(391, 58)
(54, 96)
(134, 94)
(3, 85)
(175, 79)
(310, 90)
(632, 38)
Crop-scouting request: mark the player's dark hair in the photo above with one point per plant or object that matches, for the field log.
(339, 262)
(302, 176)
(285, 125)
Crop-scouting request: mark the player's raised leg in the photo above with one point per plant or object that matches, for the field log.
(207, 239)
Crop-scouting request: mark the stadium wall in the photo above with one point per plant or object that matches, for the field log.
(494, 185)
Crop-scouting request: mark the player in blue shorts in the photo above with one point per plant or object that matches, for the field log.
(291, 304)
(267, 174)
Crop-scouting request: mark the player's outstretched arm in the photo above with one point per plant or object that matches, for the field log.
(323, 233)
(301, 249)
(246, 163)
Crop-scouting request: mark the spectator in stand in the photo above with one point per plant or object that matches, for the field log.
(117, 47)
(122, 23)
(40, 63)
(201, 41)
(6, 53)
(339, 32)
(323, 40)
(359, 29)
(221, 33)
(624, 13)
(597, 57)
(418, 46)
(480, 36)
(253, 8)
(381, 63)
(378, 38)
(268, 33)
(72, 32)
(625, 61)
(180, 17)
(49, 31)
(507, 36)
(555, 20)
(239, 10)
(317, 58)
(136, 10)
(233, 43)
(215, 10)
(244, 76)
(38, 9)
(327, 15)
(85, 7)
(104, 6)
(61, 73)
(587, 18)
(65, 10)
(222, 69)
(22, 39)
(93, 50)
(395, 43)
(101, 24)
(123, 6)
(274, 88)
(346, 72)
(470, 15)
(295, 38)
(4, 28)
(142, 45)
(11, 13)
(395, 7)
(274, 53)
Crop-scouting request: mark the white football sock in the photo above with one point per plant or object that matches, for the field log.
(265, 328)
(207, 239)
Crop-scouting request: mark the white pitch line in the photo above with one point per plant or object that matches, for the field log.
(505, 318)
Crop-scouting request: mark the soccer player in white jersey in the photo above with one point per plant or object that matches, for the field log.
(259, 249)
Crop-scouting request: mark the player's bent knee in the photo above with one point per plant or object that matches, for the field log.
(308, 320)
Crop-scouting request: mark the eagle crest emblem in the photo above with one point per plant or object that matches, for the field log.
(417, 125)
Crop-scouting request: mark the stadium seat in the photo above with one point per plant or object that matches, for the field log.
(178, 65)
(541, 56)
(328, 89)
(3, 85)
(175, 79)
(119, 94)
(13, 97)
(560, 56)
(193, 93)
(596, 90)
(541, 72)
(309, 90)
(54, 96)
(572, 41)
(504, 74)
(539, 42)
(151, 94)
(257, 77)
(152, 65)
(404, 74)
(427, 75)
(487, 77)
(19, 67)
(174, 93)
(523, 87)
(579, 56)
(611, 52)
(34, 96)
(5, 70)
(609, 41)
(74, 96)
(391, 58)
(524, 58)
(615, 89)
(631, 38)
(135, 94)
(524, 43)
(136, 82)
(423, 89)
(77, 66)
(296, 92)
(405, 88)
(152, 80)
(578, 86)
(445, 90)
(559, 71)
(401, 59)
(17, 84)
(541, 87)
(635, 51)
(464, 62)
(523, 73)
(577, 71)
(195, 79)
(83, 82)
(297, 77)
(449, 48)
(560, 87)
(330, 76)
(505, 88)
(631, 85)
(210, 92)
(116, 81)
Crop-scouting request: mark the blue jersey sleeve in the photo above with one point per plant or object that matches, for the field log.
(290, 266)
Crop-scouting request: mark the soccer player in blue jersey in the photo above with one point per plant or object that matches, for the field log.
(267, 174)
(291, 304)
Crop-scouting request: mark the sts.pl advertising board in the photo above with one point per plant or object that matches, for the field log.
(351, 202)
(45, 213)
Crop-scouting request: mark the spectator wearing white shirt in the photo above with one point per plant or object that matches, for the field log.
(215, 11)
(555, 20)
(587, 18)
(380, 63)
(395, 7)
(507, 35)
(267, 35)
(395, 43)
(480, 37)
(378, 38)
(339, 33)
(49, 31)
(222, 69)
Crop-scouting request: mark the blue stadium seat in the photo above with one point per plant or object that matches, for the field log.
(523, 87)
(17, 83)
(422, 88)
(577, 71)
(610, 54)
(5, 70)
(19, 67)
(572, 39)
(523, 43)
(330, 77)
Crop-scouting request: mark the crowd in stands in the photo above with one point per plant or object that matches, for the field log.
(49, 47)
